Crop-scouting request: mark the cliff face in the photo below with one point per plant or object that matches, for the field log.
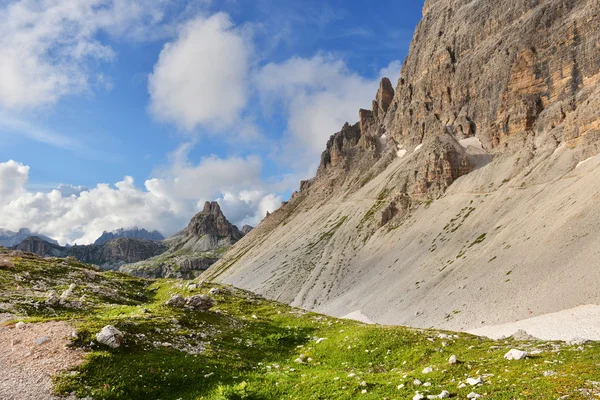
(192, 250)
(108, 255)
(468, 171)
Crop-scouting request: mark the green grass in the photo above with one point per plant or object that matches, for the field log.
(245, 347)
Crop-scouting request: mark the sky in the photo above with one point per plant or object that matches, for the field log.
(128, 113)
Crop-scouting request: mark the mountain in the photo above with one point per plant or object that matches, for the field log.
(467, 195)
(246, 229)
(191, 251)
(10, 239)
(108, 255)
(134, 233)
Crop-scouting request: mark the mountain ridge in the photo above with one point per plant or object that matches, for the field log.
(437, 207)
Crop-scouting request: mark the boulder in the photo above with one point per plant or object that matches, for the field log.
(200, 302)
(515, 355)
(176, 301)
(453, 360)
(5, 263)
(110, 336)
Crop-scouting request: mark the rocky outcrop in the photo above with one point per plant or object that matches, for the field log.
(191, 251)
(246, 229)
(134, 233)
(108, 255)
(483, 156)
(39, 246)
(116, 252)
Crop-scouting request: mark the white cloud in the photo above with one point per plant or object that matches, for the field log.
(166, 203)
(201, 78)
(318, 96)
(46, 46)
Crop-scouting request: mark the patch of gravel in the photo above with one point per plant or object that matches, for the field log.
(27, 368)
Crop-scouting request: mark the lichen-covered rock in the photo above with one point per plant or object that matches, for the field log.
(200, 302)
(176, 301)
(110, 336)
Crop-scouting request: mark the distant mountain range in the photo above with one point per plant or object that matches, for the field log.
(10, 238)
(134, 233)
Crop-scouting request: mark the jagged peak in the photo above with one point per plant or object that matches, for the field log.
(212, 207)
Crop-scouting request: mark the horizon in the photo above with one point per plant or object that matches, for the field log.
(111, 116)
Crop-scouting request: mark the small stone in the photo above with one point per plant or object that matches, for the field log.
(20, 325)
(41, 340)
(427, 384)
(15, 342)
(444, 395)
(364, 391)
(473, 395)
(474, 381)
(418, 396)
(110, 336)
(462, 385)
(75, 335)
(192, 286)
(427, 370)
(319, 340)
(68, 292)
(417, 382)
(453, 360)
(515, 355)
(214, 291)
(401, 386)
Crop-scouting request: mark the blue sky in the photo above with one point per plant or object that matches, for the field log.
(179, 101)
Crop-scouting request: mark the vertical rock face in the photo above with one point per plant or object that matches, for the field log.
(484, 145)
(212, 222)
(497, 70)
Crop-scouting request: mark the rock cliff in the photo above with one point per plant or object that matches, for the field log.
(438, 207)
(108, 255)
(192, 250)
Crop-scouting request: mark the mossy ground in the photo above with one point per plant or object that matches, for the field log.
(246, 347)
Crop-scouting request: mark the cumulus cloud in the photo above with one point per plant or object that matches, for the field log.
(318, 95)
(47, 46)
(201, 77)
(166, 203)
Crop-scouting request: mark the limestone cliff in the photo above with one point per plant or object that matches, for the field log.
(108, 255)
(192, 250)
(440, 205)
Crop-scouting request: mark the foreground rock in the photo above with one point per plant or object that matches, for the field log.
(515, 354)
(198, 302)
(110, 336)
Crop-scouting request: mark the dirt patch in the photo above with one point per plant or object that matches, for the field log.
(30, 356)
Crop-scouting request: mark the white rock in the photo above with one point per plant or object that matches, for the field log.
(41, 340)
(214, 291)
(577, 341)
(427, 370)
(427, 384)
(462, 385)
(68, 292)
(401, 386)
(474, 381)
(319, 340)
(363, 383)
(473, 395)
(453, 360)
(444, 395)
(299, 361)
(110, 336)
(20, 325)
(417, 382)
(418, 396)
(515, 354)
(351, 375)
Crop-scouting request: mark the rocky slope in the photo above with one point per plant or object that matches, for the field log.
(108, 255)
(134, 233)
(192, 250)
(10, 238)
(466, 195)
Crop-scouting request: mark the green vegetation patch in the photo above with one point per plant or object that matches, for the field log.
(247, 347)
